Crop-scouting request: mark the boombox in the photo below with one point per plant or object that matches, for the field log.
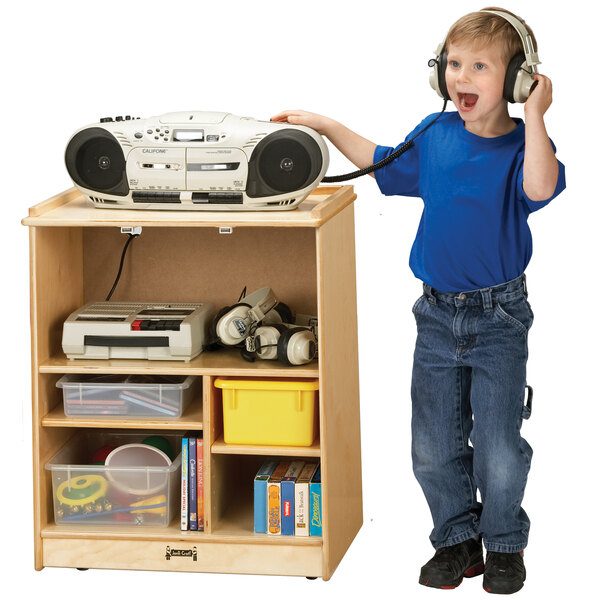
(196, 161)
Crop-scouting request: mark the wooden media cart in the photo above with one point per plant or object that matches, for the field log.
(307, 256)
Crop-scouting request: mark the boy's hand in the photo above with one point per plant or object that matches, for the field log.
(354, 147)
(540, 98)
(319, 123)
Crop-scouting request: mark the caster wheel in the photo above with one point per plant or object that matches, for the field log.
(311, 578)
(81, 569)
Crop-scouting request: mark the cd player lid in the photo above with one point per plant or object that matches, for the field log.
(195, 117)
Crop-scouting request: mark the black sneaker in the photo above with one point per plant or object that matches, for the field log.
(504, 573)
(449, 565)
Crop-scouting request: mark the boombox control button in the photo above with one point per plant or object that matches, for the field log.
(139, 135)
(159, 197)
(106, 120)
(217, 198)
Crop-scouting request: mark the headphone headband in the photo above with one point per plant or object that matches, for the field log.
(531, 56)
(261, 302)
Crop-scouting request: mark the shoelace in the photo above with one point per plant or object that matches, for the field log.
(448, 553)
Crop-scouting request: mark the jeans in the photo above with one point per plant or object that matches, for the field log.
(468, 384)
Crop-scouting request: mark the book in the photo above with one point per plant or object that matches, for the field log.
(184, 483)
(287, 497)
(200, 477)
(192, 485)
(301, 499)
(260, 495)
(316, 524)
(274, 498)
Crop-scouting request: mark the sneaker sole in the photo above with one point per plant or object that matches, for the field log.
(500, 590)
(474, 571)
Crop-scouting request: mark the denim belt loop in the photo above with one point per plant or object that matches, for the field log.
(429, 294)
(525, 285)
(486, 296)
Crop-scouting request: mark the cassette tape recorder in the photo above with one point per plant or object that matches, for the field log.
(172, 331)
(196, 161)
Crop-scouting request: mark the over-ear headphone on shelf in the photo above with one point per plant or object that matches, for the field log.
(233, 324)
(518, 82)
(260, 326)
(290, 344)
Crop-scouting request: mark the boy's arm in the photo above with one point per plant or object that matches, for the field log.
(540, 167)
(354, 147)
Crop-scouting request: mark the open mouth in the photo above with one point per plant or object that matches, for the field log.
(467, 101)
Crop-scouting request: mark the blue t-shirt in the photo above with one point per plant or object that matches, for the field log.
(473, 232)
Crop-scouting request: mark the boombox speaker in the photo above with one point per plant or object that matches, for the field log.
(196, 161)
(95, 160)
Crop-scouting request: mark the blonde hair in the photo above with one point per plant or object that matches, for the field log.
(483, 29)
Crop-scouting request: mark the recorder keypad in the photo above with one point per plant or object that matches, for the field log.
(155, 325)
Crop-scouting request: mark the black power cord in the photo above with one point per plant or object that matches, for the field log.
(131, 237)
(385, 161)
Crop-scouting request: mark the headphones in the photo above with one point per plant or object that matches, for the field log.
(290, 344)
(518, 82)
(260, 326)
(233, 324)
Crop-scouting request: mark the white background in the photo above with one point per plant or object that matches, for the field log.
(66, 64)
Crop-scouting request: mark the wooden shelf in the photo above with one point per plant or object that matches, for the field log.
(238, 522)
(220, 447)
(236, 529)
(70, 208)
(221, 362)
(191, 419)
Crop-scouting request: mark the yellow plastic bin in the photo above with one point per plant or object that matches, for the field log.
(272, 412)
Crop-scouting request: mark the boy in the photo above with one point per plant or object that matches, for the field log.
(480, 174)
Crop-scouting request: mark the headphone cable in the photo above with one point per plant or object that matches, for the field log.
(385, 161)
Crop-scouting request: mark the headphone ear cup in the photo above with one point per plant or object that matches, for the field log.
(440, 69)
(266, 339)
(213, 326)
(517, 81)
(222, 322)
(296, 346)
(285, 312)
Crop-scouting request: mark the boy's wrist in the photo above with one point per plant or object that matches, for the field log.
(329, 126)
(533, 116)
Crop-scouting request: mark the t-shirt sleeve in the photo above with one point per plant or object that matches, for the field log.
(401, 176)
(534, 205)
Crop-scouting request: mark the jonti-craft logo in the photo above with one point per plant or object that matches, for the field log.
(174, 552)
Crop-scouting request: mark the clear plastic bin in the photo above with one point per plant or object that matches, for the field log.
(273, 412)
(131, 396)
(86, 492)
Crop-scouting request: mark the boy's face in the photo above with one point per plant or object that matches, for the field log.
(475, 82)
